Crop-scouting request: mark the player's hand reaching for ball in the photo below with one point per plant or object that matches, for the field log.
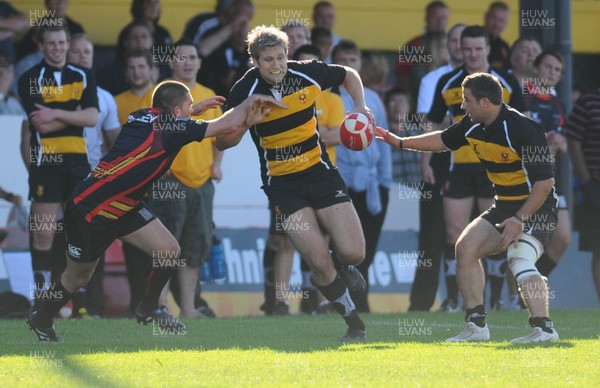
(386, 136)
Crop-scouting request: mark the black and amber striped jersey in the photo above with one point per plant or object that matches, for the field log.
(69, 88)
(142, 153)
(448, 97)
(513, 150)
(288, 140)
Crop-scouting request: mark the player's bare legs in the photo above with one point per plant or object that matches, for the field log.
(561, 238)
(341, 222)
(556, 247)
(42, 227)
(77, 275)
(457, 213)
(282, 267)
(312, 244)
(155, 237)
(479, 239)
(44, 215)
(188, 280)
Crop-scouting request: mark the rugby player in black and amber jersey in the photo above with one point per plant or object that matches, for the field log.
(60, 100)
(467, 185)
(305, 191)
(516, 157)
(108, 203)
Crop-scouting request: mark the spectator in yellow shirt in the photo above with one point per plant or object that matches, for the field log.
(138, 69)
(183, 198)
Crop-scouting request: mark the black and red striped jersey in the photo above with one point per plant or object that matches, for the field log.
(142, 153)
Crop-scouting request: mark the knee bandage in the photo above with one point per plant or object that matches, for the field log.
(522, 258)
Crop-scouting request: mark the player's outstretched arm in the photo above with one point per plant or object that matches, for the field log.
(354, 86)
(206, 104)
(429, 142)
(230, 127)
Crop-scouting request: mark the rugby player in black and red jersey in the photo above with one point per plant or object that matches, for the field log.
(108, 203)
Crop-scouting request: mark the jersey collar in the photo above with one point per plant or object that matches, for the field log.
(497, 124)
(52, 68)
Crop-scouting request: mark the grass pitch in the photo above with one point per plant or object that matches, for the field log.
(402, 350)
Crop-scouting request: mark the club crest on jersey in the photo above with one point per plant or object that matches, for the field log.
(504, 156)
(302, 98)
(475, 145)
(40, 190)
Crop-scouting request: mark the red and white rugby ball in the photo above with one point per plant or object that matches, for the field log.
(357, 131)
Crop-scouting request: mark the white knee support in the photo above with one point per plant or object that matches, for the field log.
(522, 258)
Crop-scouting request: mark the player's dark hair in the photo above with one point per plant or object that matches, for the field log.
(307, 49)
(552, 53)
(139, 52)
(484, 85)
(498, 5)
(169, 94)
(262, 37)
(124, 34)
(434, 5)
(185, 42)
(345, 45)
(224, 5)
(137, 9)
(321, 4)
(49, 24)
(475, 32)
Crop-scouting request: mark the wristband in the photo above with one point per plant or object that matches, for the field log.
(518, 218)
(401, 144)
(9, 197)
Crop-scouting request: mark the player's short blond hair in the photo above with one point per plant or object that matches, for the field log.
(262, 37)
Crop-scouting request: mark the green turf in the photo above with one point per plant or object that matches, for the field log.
(403, 350)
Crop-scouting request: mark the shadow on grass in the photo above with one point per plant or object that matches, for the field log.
(85, 376)
(292, 334)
